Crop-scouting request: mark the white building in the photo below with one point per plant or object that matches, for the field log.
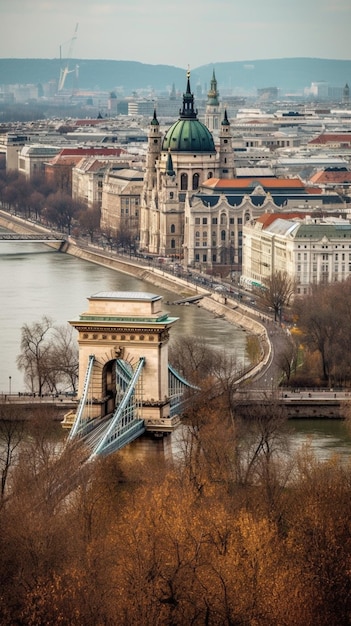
(311, 250)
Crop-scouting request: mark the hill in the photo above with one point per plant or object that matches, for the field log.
(242, 77)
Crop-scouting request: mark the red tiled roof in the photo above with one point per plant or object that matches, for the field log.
(89, 122)
(243, 183)
(332, 138)
(92, 152)
(331, 176)
(266, 219)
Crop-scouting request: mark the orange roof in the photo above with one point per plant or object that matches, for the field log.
(243, 183)
(92, 151)
(87, 122)
(332, 138)
(331, 176)
(266, 219)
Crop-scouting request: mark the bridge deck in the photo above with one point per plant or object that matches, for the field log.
(40, 238)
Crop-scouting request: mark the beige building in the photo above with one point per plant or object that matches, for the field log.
(311, 250)
(88, 176)
(33, 157)
(121, 198)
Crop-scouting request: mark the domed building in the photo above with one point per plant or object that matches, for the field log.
(176, 165)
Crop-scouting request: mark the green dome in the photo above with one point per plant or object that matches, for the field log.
(188, 136)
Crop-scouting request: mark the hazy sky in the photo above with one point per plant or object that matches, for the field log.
(176, 32)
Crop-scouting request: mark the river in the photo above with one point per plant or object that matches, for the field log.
(37, 281)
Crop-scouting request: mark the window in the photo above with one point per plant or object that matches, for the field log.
(173, 243)
(222, 235)
(204, 258)
(197, 234)
(204, 220)
(196, 180)
(184, 182)
(214, 220)
(214, 258)
(171, 195)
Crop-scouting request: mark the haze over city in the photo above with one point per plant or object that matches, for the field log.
(176, 33)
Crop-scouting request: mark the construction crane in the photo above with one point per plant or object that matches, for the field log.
(64, 71)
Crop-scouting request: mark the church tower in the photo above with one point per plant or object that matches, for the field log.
(226, 153)
(212, 114)
(149, 196)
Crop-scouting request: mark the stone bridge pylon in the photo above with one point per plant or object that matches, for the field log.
(129, 328)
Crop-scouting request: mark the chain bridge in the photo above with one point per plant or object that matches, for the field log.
(126, 385)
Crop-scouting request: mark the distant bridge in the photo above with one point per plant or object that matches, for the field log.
(39, 238)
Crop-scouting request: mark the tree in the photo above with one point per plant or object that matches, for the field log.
(49, 356)
(89, 220)
(34, 359)
(11, 435)
(61, 210)
(277, 292)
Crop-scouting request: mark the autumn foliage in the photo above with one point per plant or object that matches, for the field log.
(231, 529)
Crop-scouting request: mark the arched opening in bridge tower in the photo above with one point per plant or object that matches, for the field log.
(116, 375)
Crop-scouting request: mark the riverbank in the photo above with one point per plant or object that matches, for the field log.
(216, 303)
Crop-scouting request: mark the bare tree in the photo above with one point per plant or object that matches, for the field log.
(49, 356)
(35, 355)
(277, 292)
(11, 435)
(89, 220)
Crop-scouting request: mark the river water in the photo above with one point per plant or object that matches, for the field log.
(37, 281)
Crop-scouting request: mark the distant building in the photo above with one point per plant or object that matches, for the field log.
(267, 94)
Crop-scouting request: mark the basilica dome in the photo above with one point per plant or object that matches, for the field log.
(188, 134)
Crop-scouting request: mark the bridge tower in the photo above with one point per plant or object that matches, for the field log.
(127, 326)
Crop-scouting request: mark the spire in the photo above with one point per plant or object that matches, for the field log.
(212, 95)
(188, 111)
(154, 121)
(225, 121)
(169, 165)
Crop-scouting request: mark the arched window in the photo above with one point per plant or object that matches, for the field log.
(197, 234)
(172, 228)
(196, 180)
(223, 218)
(222, 235)
(184, 182)
(210, 175)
